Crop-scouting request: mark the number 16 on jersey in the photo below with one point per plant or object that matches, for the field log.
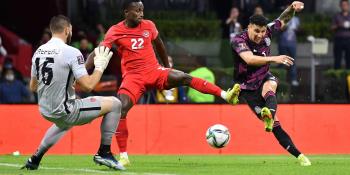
(45, 73)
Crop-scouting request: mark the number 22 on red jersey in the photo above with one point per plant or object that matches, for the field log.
(137, 43)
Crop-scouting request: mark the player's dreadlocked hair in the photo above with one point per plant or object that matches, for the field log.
(127, 3)
(58, 23)
(259, 20)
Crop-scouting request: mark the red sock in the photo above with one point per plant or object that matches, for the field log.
(205, 87)
(121, 135)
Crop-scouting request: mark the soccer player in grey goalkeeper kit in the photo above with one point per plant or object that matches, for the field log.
(55, 67)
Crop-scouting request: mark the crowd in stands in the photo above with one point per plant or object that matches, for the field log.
(12, 85)
(341, 27)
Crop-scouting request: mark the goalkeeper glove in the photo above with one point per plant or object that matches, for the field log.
(102, 57)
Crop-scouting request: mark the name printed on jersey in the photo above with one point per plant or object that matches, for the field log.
(47, 52)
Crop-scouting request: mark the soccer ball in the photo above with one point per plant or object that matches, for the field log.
(218, 136)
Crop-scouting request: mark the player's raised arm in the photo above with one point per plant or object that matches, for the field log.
(287, 14)
(161, 51)
(107, 42)
(33, 84)
(101, 60)
(90, 61)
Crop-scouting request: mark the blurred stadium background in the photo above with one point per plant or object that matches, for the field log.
(315, 111)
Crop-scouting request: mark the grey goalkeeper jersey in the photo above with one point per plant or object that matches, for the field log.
(56, 65)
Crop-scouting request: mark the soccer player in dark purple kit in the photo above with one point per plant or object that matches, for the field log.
(251, 49)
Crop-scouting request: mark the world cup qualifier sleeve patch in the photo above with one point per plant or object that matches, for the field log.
(239, 45)
(80, 59)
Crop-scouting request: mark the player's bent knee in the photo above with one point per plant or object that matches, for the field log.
(269, 86)
(187, 78)
(107, 104)
(126, 105)
(115, 102)
(273, 84)
(184, 79)
(269, 89)
(125, 110)
(177, 78)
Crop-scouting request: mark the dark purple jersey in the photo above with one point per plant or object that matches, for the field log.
(251, 77)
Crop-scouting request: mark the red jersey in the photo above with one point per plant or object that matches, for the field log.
(134, 45)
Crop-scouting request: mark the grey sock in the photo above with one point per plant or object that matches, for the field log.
(110, 122)
(52, 135)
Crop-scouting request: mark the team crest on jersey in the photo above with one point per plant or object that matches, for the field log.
(145, 33)
(80, 59)
(268, 41)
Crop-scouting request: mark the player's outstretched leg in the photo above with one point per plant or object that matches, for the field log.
(271, 102)
(122, 135)
(178, 78)
(52, 135)
(122, 131)
(231, 95)
(109, 124)
(269, 111)
(287, 143)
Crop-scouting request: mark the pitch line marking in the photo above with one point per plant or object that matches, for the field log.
(82, 170)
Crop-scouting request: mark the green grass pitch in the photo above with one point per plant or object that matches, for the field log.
(185, 165)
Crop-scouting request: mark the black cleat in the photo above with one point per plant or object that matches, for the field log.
(30, 165)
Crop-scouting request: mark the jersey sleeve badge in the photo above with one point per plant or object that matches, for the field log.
(80, 59)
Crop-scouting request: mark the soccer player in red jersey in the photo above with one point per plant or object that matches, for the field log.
(134, 37)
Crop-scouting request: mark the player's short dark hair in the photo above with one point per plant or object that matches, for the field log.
(58, 23)
(127, 3)
(259, 20)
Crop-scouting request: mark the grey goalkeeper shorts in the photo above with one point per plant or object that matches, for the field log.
(83, 111)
